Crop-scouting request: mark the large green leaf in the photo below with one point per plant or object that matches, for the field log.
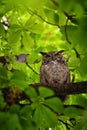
(2, 103)
(73, 112)
(8, 119)
(27, 41)
(81, 37)
(43, 116)
(45, 92)
(15, 33)
(70, 31)
(19, 79)
(26, 118)
(31, 92)
(81, 100)
(34, 4)
(82, 125)
(38, 115)
(2, 30)
(55, 104)
(52, 16)
(83, 66)
(4, 77)
(13, 126)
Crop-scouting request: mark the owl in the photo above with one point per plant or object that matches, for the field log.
(54, 70)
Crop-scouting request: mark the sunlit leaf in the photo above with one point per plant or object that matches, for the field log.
(27, 40)
(82, 67)
(52, 16)
(19, 79)
(31, 92)
(15, 33)
(45, 92)
(1, 30)
(55, 104)
(72, 112)
(46, 117)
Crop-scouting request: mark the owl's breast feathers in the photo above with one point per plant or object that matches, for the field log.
(55, 72)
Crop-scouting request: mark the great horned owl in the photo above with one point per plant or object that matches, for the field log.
(54, 70)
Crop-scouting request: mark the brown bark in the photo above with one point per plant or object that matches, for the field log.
(72, 88)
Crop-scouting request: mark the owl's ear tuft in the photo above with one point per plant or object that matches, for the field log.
(43, 53)
(59, 52)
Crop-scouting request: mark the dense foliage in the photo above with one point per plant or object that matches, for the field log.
(29, 27)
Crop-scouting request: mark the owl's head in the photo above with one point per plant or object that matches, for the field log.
(53, 56)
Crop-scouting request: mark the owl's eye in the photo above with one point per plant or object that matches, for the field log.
(47, 55)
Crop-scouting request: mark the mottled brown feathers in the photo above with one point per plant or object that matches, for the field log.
(54, 69)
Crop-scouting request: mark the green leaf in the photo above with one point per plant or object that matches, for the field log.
(81, 100)
(71, 31)
(3, 73)
(2, 30)
(82, 125)
(56, 18)
(45, 92)
(14, 37)
(43, 116)
(27, 41)
(55, 104)
(26, 118)
(52, 16)
(38, 116)
(2, 103)
(34, 26)
(9, 5)
(31, 92)
(37, 28)
(15, 33)
(15, 109)
(72, 112)
(81, 38)
(34, 56)
(34, 4)
(26, 112)
(19, 79)
(8, 119)
(83, 66)
(14, 126)
(50, 117)
(4, 78)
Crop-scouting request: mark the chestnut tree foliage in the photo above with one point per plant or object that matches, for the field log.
(28, 27)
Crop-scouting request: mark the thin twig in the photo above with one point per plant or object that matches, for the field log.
(32, 69)
(66, 124)
(43, 18)
(55, 3)
(66, 35)
(67, 39)
(77, 53)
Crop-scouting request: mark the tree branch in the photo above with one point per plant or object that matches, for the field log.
(72, 88)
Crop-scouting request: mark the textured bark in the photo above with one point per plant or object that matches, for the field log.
(72, 88)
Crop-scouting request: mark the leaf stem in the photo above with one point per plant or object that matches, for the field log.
(35, 13)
